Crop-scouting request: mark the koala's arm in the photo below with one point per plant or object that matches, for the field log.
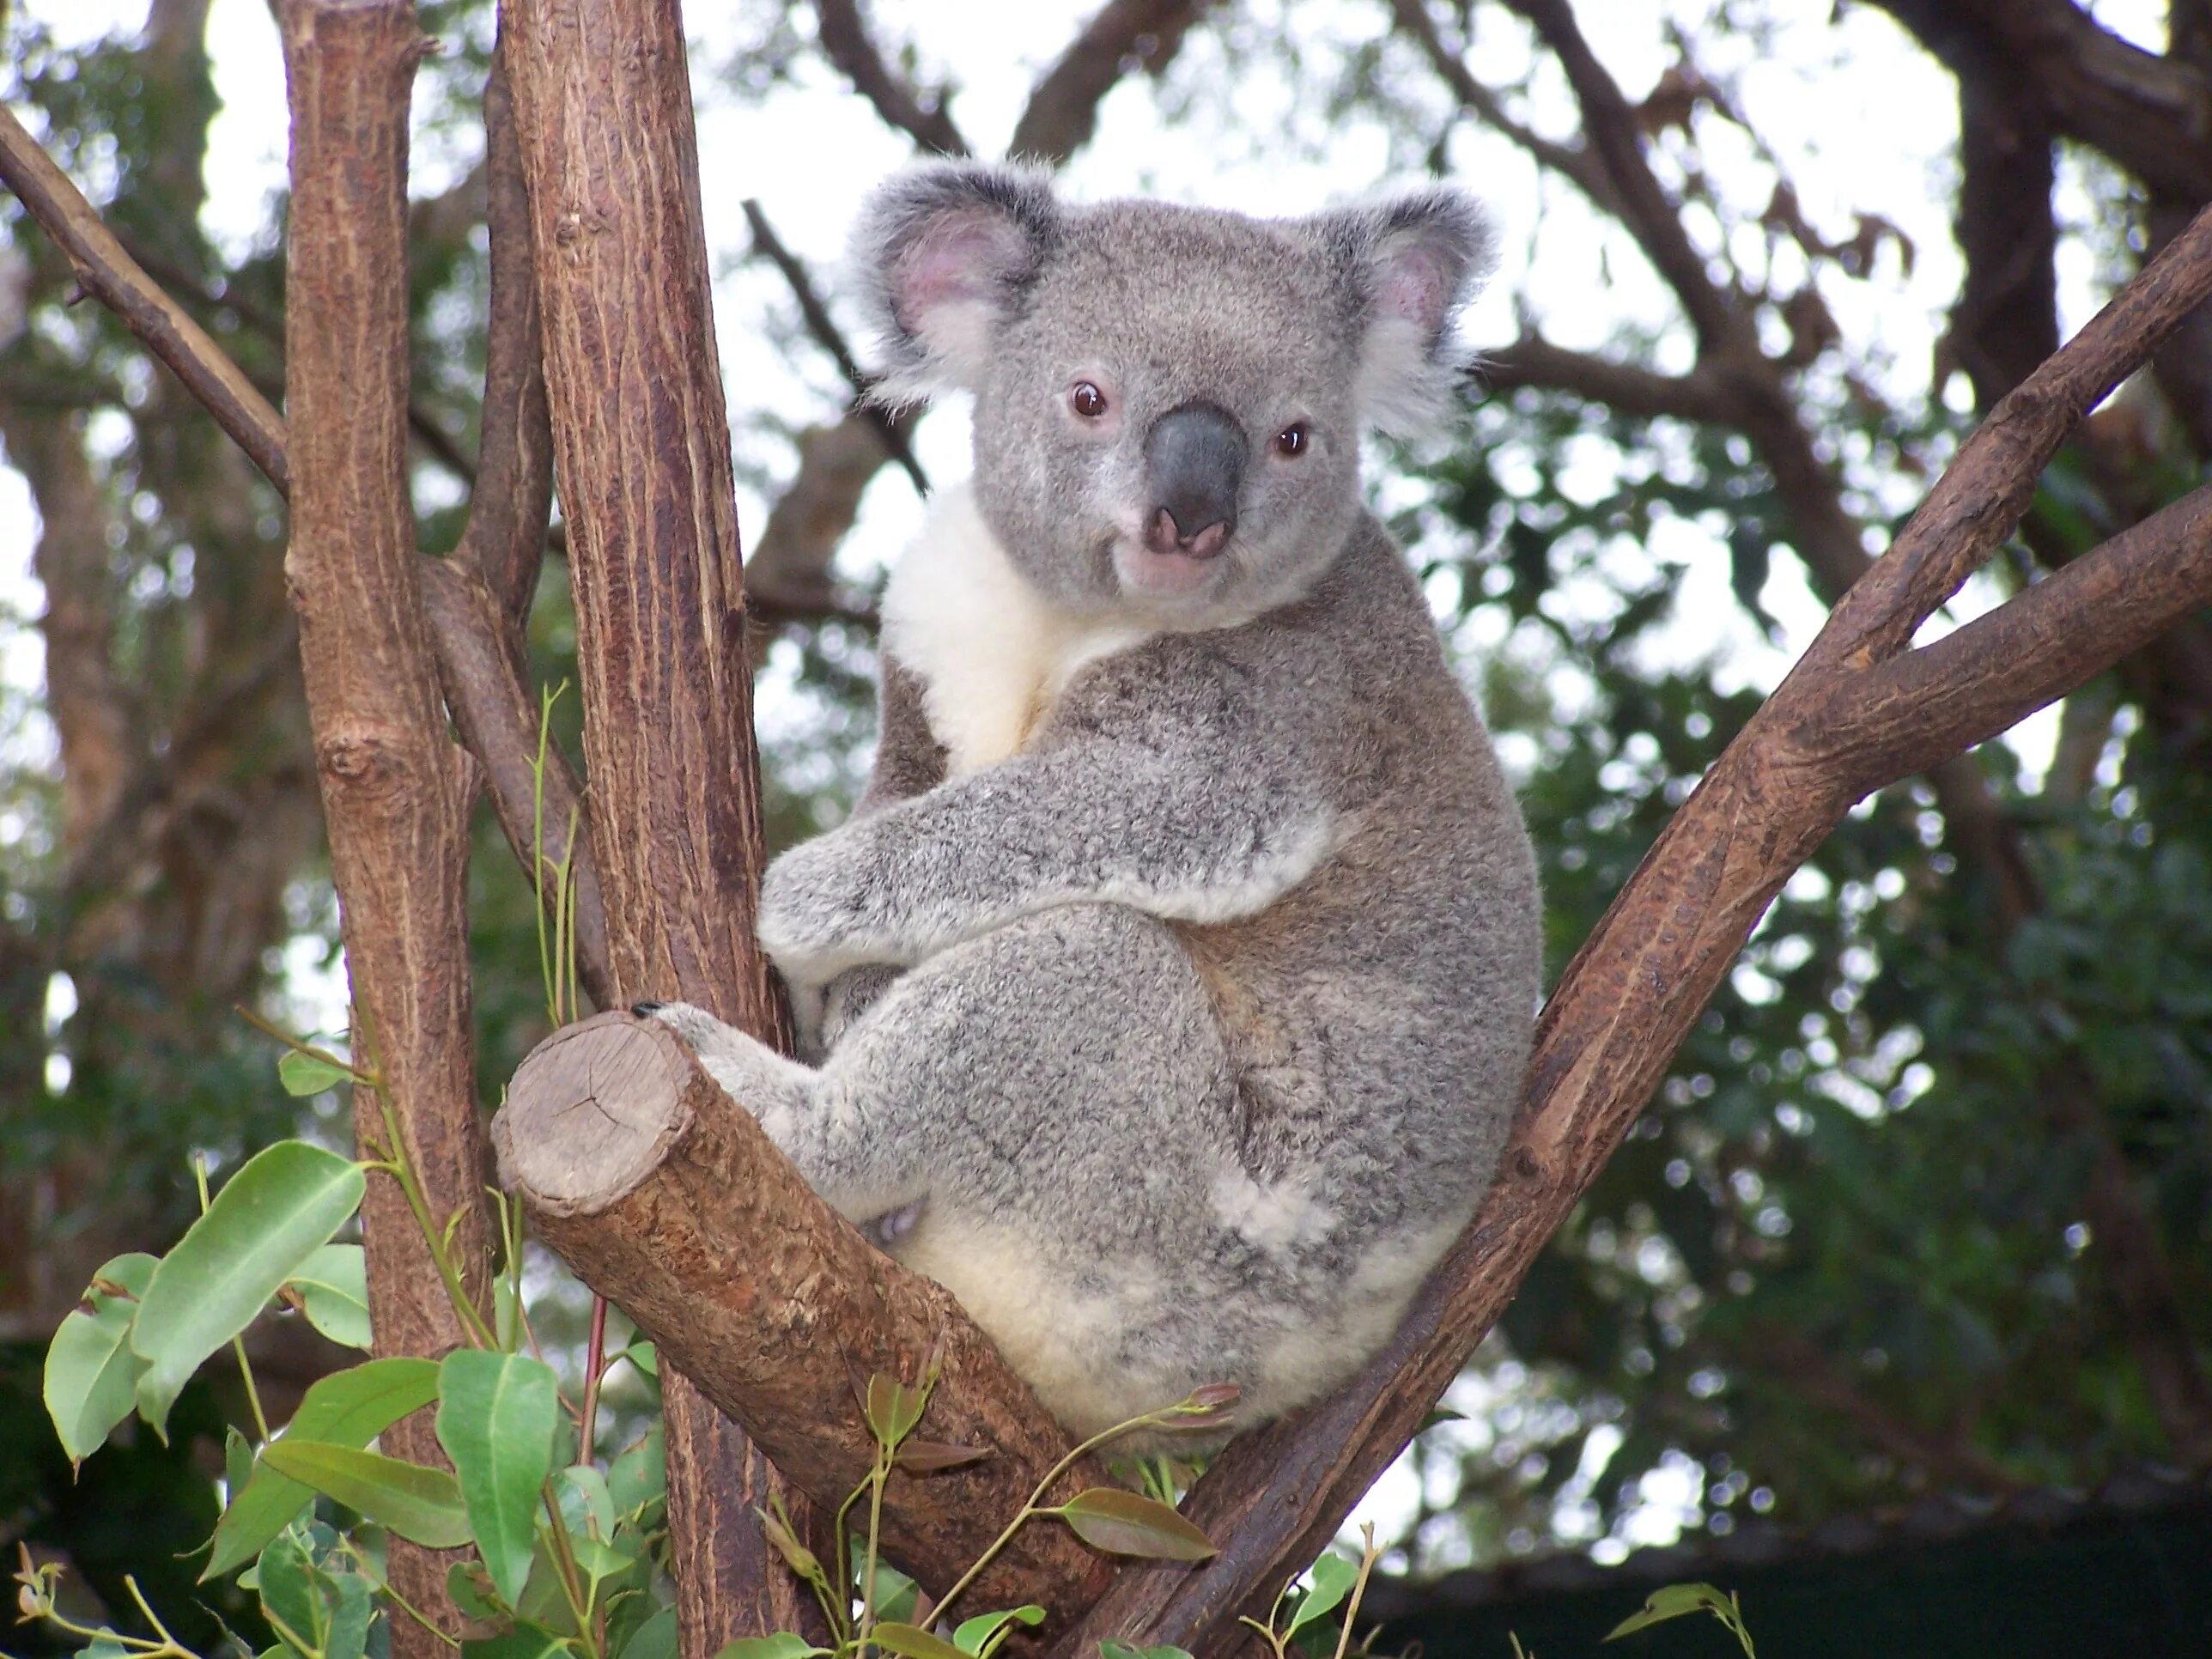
(1204, 817)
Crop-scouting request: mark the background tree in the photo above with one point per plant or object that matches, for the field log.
(1830, 1266)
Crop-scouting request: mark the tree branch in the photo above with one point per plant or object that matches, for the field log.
(395, 790)
(1642, 393)
(1911, 710)
(2152, 115)
(481, 671)
(846, 43)
(112, 276)
(1578, 163)
(1639, 982)
(827, 334)
(1062, 111)
(512, 497)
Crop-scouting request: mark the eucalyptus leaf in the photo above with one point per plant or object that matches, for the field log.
(524, 1642)
(292, 1595)
(639, 1476)
(893, 1408)
(350, 1407)
(1125, 1523)
(1333, 1579)
(302, 1073)
(333, 1287)
(912, 1642)
(349, 1616)
(974, 1636)
(281, 1208)
(1677, 1600)
(92, 1375)
(781, 1645)
(586, 1501)
(496, 1417)
(422, 1505)
(655, 1638)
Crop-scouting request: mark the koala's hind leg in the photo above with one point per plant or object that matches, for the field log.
(1062, 1089)
(1040, 1112)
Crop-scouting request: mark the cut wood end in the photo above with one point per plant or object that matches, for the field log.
(591, 1111)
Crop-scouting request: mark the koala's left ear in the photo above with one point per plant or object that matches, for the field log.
(941, 250)
(1412, 261)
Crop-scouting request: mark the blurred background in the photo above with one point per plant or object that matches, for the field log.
(1917, 1227)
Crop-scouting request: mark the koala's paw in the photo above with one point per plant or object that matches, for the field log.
(758, 1078)
(816, 916)
(702, 1032)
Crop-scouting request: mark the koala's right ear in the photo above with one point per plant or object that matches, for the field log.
(941, 250)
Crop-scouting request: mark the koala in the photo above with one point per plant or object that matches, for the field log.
(1167, 993)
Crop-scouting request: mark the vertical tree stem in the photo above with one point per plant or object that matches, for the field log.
(395, 790)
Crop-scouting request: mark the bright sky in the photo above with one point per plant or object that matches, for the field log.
(1861, 120)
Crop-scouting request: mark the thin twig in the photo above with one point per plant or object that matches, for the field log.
(824, 329)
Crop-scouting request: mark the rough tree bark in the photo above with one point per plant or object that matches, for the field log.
(396, 791)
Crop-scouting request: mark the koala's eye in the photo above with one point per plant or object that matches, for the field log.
(1086, 400)
(1294, 440)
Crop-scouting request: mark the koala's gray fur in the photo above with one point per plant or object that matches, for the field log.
(1172, 983)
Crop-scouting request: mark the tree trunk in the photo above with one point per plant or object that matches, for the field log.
(396, 791)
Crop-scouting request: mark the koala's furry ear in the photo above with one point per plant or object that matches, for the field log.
(940, 251)
(1413, 261)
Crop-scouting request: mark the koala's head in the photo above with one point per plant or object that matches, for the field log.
(1169, 400)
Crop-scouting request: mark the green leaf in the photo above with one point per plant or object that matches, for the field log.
(1673, 1602)
(333, 1287)
(525, 1642)
(912, 1642)
(92, 1375)
(349, 1627)
(655, 1637)
(1333, 1579)
(896, 1595)
(1124, 1524)
(782, 1645)
(1110, 1649)
(893, 1408)
(496, 1415)
(237, 1462)
(468, 1587)
(974, 1634)
(422, 1505)
(267, 1220)
(303, 1074)
(645, 1357)
(639, 1476)
(290, 1595)
(350, 1407)
(586, 1503)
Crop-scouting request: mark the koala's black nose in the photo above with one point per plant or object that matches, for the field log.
(1194, 464)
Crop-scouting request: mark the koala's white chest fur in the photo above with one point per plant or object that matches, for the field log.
(991, 652)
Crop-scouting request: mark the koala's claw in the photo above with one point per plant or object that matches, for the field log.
(646, 1010)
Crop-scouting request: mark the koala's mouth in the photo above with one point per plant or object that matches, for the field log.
(1143, 571)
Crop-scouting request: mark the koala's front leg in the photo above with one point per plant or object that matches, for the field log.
(857, 1173)
(1186, 833)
